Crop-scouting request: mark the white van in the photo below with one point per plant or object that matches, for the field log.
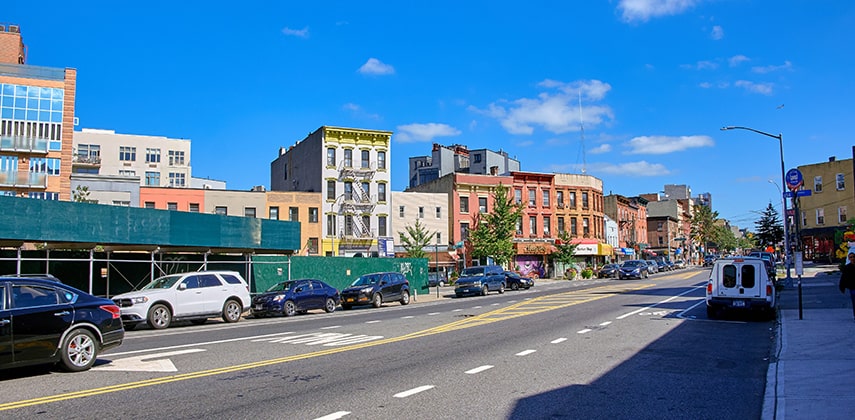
(740, 283)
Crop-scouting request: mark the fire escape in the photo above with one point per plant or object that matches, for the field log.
(356, 203)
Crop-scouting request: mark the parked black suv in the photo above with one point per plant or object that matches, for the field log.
(375, 289)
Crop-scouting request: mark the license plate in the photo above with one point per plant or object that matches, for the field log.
(738, 303)
(349, 300)
(257, 307)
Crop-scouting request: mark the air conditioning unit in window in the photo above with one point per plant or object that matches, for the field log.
(14, 28)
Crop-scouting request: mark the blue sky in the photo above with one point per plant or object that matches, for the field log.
(657, 79)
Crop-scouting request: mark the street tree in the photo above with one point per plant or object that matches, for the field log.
(770, 229)
(81, 194)
(493, 234)
(703, 225)
(415, 238)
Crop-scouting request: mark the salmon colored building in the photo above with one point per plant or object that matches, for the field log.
(180, 199)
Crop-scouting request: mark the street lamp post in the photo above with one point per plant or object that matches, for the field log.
(436, 255)
(780, 137)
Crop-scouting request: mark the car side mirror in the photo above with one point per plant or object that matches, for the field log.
(182, 286)
(298, 290)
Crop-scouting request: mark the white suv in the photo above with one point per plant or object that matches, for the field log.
(740, 283)
(194, 296)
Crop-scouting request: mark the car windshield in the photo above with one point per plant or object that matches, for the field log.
(631, 263)
(282, 286)
(367, 280)
(472, 271)
(164, 282)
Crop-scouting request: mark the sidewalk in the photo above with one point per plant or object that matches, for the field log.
(813, 375)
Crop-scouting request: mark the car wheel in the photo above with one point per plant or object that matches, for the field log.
(485, 290)
(289, 309)
(515, 286)
(198, 321)
(377, 300)
(502, 288)
(329, 305)
(405, 297)
(159, 317)
(442, 284)
(232, 311)
(79, 351)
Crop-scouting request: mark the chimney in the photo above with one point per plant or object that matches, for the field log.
(281, 151)
(832, 159)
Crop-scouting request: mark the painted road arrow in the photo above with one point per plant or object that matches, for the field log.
(157, 362)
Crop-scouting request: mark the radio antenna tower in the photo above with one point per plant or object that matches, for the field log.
(582, 136)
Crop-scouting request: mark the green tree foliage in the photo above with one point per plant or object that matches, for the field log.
(415, 239)
(81, 194)
(493, 235)
(770, 228)
(565, 252)
(724, 239)
(703, 227)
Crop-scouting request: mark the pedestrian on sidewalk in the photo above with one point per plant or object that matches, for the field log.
(847, 279)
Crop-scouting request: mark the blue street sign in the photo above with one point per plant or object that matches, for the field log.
(458, 245)
(794, 179)
(802, 193)
(788, 194)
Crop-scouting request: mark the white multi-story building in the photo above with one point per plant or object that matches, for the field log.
(350, 168)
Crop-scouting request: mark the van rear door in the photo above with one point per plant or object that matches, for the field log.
(740, 279)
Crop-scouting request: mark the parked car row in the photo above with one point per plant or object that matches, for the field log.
(639, 269)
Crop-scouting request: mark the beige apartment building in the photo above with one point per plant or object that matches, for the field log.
(825, 212)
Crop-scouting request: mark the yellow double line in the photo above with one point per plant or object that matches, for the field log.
(529, 307)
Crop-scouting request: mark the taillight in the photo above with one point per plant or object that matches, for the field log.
(709, 288)
(113, 310)
(768, 290)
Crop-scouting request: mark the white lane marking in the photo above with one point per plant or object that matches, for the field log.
(659, 303)
(413, 391)
(326, 339)
(603, 324)
(586, 330)
(495, 304)
(334, 416)
(147, 363)
(456, 310)
(332, 327)
(525, 352)
(476, 307)
(478, 369)
(512, 301)
(372, 322)
(558, 340)
(181, 346)
(407, 317)
(433, 313)
(683, 313)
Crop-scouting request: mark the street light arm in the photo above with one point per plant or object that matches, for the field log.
(731, 127)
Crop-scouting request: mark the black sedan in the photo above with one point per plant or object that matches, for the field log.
(515, 282)
(43, 321)
(295, 296)
(608, 271)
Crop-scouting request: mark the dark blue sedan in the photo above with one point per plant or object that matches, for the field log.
(295, 296)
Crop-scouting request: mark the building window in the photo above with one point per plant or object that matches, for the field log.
(804, 218)
(313, 246)
(841, 214)
(546, 198)
(331, 225)
(532, 200)
(381, 160)
(519, 225)
(177, 179)
(482, 204)
(127, 154)
(574, 230)
(532, 225)
(194, 207)
(294, 214)
(221, 210)
(476, 158)
(348, 191)
(559, 197)
(584, 200)
(365, 163)
(366, 225)
(400, 211)
(439, 212)
(152, 179)
(464, 231)
(273, 213)
(249, 212)
(152, 155)
(53, 166)
(88, 153)
(586, 228)
(121, 203)
(517, 196)
(817, 184)
(127, 173)
(366, 192)
(572, 200)
(820, 216)
(285, 172)
(348, 225)
(438, 238)
(176, 157)
(172, 206)
(546, 227)
(381, 193)
(149, 204)
(330, 156)
(348, 158)
(840, 184)
(464, 204)
(381, 226)
(560, 224)
(331, 190)
(313, 215)
(421, 212)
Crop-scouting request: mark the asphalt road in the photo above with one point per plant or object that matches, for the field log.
(597, 349)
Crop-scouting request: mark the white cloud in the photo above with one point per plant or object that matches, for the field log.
(737, 60)
(659, 145)
(761, 88)
(411, 133)
(603, 148)
(768, 69)
(705, 85)
(629, 169)
(300, 33)
(717, 33)
(375, 66)
(701, 65)
(556, 111)
(643, 10)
